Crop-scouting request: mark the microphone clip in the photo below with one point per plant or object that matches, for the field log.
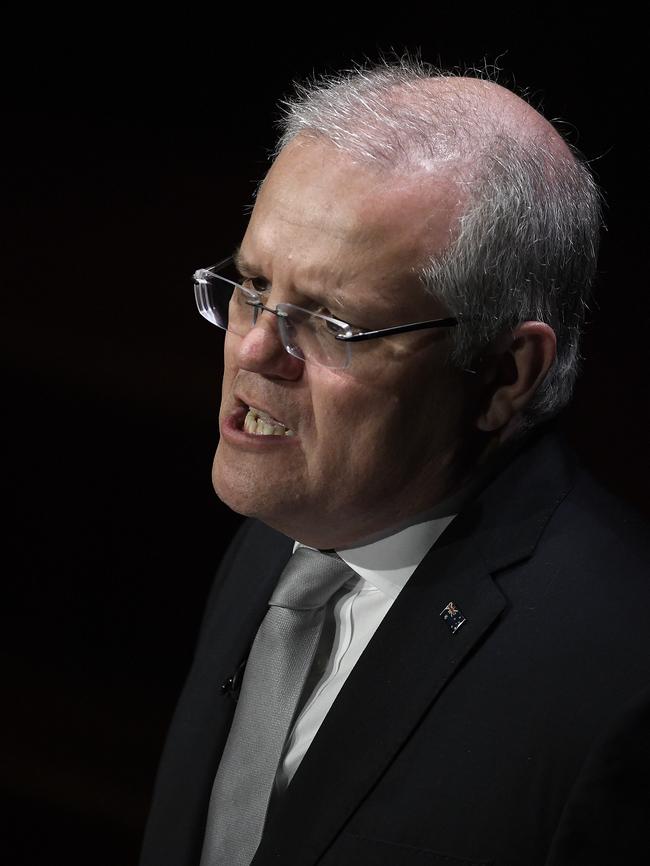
(232, 685)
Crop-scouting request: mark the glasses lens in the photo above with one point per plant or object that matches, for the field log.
(311, 338)
(222, 301)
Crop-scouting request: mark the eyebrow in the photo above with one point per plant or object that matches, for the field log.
(242, 264)
(248, 270)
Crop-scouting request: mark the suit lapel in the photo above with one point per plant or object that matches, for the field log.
(397, 680)
(202, 720)
(386, 695)
(232, 622)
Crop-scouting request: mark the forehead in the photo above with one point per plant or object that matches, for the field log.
(320, 213)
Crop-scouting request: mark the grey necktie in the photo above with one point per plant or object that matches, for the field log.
(278, 665)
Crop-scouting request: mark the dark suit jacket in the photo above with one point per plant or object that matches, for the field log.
(522, 738)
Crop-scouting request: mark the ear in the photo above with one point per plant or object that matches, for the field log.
(512, 372)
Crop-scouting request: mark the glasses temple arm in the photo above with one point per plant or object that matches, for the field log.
(449, 322)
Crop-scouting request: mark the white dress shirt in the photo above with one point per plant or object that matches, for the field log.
(381, 569)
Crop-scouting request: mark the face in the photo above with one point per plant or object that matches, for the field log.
(383, 439)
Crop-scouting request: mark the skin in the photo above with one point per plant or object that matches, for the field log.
(400, 429)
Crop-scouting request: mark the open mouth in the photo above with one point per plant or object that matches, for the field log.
(259, 423)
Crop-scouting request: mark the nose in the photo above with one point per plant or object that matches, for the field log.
(261, 351)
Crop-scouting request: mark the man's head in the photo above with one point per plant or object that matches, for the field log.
(398, 197)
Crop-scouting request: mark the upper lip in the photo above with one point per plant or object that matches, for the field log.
(259, 404)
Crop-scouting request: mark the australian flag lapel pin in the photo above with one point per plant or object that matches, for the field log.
(452, 616)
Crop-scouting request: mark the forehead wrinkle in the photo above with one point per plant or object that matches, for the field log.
(326, 223)
(322, 282)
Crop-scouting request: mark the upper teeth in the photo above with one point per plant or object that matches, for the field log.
(261, 424)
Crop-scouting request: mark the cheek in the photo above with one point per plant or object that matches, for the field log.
(340, 403)
(230, 366)
(422, 423)
(230, 350)
(355, 423)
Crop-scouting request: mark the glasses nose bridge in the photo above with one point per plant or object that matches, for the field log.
(265, 349)
(259, 307)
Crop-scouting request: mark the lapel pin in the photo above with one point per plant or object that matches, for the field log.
(452, 616)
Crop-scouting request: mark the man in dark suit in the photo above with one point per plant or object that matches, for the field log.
(402, 327)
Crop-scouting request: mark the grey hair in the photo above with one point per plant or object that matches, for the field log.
(526, 244)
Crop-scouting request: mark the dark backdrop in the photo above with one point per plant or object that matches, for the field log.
(128, 163)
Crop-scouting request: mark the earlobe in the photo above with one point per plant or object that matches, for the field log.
(513, 372)
(497, 414)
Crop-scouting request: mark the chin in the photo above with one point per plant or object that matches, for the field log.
(240, 491)
(233, 489)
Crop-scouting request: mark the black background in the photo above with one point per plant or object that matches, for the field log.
(130, 156)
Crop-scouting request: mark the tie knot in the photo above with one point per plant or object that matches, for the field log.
(310, 579)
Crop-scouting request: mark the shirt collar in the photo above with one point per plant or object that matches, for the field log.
(388, 563)
(389, 560)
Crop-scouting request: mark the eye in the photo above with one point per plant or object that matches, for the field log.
(257, 284)
(320, 310)
(333, 328)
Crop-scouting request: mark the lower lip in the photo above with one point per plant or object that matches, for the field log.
(232, 430)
